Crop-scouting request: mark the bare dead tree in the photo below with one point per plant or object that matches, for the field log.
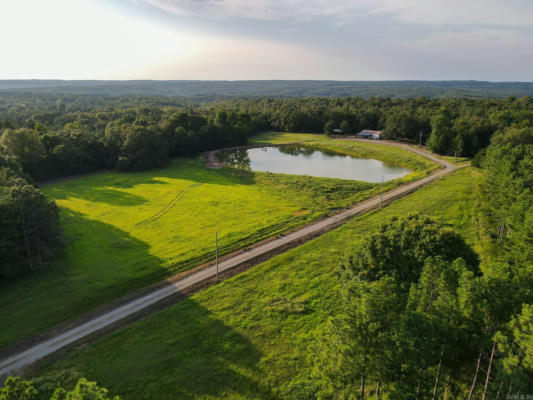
(489, 370)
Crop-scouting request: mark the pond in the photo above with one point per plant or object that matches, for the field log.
(301, 160)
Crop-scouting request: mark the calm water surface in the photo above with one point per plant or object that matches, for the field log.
(300, 160)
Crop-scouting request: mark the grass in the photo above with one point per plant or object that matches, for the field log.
(456, 160)
(125, 231)
(247, 337)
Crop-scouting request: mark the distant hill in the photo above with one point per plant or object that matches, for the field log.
(365, 89)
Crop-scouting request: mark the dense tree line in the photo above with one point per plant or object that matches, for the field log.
(132, 140)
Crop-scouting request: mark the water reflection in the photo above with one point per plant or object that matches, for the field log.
(301, 160)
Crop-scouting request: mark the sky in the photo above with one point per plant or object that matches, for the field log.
(268, 39)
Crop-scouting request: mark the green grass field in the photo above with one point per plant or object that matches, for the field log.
(124, 231)
(247, 337)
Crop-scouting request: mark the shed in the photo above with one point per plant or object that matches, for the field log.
(370, 134)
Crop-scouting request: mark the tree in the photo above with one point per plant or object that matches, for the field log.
(17, 389)
(30, 225)
(84, 390)
(328, 128)
(24, 146)
(400, 322)
(515, 342)
(143, 148)
(488, 302)
(400, 247)
(360, 339)
(346, 127)
(401, 125)
(508, 192)
(441, 132)
(436, 297)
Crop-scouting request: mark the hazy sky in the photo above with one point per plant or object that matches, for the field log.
(269, 39)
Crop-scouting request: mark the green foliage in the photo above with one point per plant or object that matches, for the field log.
(143, 148)
(508, 193)
(84, 390)
(400, 247)
(441, 132)
(403, 125)
(29, 225)
(24, 147)
(329, 126)
(358, 341)
(16, 388)
(519, 345)
(400, 290)
(346, 128)
(479, 158)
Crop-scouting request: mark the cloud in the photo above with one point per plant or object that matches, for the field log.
(426, 12)
(300, 10)
(458, 12)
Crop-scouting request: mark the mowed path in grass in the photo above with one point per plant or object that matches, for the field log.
(247, 337)
(125, 231)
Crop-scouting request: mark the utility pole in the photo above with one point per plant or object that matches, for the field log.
(420, 138)
(216, 252)
(381, 197)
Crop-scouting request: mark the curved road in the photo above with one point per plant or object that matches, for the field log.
(24, 358)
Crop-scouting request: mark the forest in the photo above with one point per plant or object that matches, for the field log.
(452, 329)
(272, 88)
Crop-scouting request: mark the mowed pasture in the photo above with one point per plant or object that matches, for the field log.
(125, 231)
(249, 336)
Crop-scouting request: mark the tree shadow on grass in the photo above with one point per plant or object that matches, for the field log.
(96, 194)
(183, 352)
(97, 264)
(108, 188)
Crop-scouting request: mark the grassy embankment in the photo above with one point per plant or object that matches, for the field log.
(250, 335)
(124, 231)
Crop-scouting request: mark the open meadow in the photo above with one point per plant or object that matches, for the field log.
(124, 231)
(252, 334)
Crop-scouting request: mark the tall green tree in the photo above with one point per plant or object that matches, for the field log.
(29, 225)
(346, 128)
(441, 132)
(24, 146)
(400, 247)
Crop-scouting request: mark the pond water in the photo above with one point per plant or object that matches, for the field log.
(301, 160)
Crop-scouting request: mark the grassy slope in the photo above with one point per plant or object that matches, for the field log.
(248, 336)
(125, 231)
